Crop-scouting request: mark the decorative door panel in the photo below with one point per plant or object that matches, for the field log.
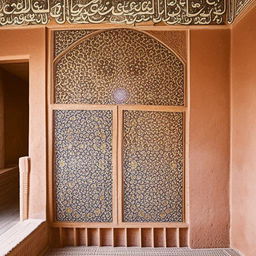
(117, 110)
(83, 165)
(153, 164)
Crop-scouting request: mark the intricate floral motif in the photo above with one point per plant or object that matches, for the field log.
(65, 38)
(83, 165)
(175, 40)
(120, 58)
(153, 166)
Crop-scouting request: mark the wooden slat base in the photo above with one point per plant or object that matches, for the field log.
(120, 237)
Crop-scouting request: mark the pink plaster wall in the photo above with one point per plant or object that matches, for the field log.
(30, 44)
(15, 118)
(2, 155)
(243, 157)
(209, 138)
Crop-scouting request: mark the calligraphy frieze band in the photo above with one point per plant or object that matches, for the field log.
(183, 12)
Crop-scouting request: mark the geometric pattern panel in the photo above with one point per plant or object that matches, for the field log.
(120, 66)
(153, 166)
(83, 165)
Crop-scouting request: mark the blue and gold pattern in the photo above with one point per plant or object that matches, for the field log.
(83, 165)
(153, 166)
(91, 71)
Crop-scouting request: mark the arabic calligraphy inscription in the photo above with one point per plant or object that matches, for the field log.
(185, 12)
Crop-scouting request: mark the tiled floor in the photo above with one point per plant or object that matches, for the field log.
(107, 251)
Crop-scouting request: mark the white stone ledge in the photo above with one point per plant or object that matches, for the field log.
(16, 234)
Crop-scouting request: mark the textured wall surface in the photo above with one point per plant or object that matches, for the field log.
(243, 168)
(209, 138)
(1, 121)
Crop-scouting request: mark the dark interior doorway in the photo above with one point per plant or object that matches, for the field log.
(14, 131)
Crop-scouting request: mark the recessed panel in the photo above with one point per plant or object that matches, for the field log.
(153, 163)
(83, 165)
(120, 66)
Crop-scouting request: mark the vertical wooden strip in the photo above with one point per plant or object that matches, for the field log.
(115, 165)
(86, 237)
(178, 237)
(51, 194)
(140, 237)
(75, 237)
(153, 237)
(165, 238)
(24, 169)
(120, 165)
(187, 122)
(50, 101)
(126, 237)
(113, 237)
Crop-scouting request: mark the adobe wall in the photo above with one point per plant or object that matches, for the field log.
(243, 157)
(209, 138)
(1, 122)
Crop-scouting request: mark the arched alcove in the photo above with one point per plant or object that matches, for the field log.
(119, 66)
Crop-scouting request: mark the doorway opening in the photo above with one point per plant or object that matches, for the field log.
(14, 130)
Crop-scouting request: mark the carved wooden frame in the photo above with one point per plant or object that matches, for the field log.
(78, 232)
